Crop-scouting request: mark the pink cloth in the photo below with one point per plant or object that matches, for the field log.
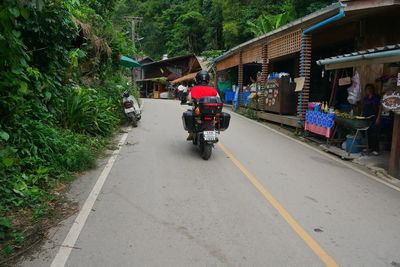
(327, 132)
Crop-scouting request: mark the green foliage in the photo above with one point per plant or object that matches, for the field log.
(59, 96)
(84, 111)
(249, 113)
(59, 99)
(176, 27)
(267, 23)
(6, 232)
(211, 54)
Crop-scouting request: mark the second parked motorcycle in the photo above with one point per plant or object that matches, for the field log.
(131, 108)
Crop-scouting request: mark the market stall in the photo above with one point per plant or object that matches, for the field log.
(371, 125)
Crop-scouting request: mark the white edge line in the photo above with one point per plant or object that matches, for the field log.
(76, 228)
(322, 153)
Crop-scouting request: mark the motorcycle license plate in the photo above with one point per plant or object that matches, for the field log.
(129, 110)
(210, 135)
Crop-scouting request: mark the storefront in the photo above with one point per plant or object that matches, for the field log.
(266, 69)
(358, 122)
(290, 54)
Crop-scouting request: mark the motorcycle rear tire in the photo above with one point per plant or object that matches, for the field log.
(134, 122)
(206, 151)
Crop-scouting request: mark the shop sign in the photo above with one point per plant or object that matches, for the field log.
(391, 101)
(299, 84)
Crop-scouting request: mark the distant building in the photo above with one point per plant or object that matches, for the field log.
(156, 76)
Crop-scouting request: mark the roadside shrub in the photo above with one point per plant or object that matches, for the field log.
(83, 111)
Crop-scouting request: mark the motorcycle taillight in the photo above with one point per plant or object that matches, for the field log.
(128, 105)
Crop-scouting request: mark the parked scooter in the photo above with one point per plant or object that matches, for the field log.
(206, 120)
(131, 106)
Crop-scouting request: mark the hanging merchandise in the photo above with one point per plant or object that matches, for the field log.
(345, 80)
(354, 90)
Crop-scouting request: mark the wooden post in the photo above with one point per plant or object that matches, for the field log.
(240, 80)
(216, 80)
(394, 161)
(305, 71)
(264, 73)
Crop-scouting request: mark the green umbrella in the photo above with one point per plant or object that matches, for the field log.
(128, 62)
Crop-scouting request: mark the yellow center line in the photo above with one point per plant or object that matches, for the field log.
(320, 252)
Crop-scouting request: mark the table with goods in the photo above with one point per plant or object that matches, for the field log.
(325, 121)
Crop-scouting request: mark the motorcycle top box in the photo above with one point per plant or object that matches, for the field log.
(210, 105)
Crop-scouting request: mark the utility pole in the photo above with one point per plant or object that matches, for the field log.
(134, 21)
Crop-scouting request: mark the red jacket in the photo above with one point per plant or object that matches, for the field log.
(198, 92)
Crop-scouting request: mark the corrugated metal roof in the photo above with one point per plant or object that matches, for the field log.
(364, 52)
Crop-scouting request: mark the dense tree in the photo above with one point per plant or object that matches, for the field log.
(176, 27)
(59, 100)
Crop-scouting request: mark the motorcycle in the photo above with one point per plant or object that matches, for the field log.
(206, 121)
(131, 108)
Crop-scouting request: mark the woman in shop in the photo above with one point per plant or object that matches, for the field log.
(372, 107)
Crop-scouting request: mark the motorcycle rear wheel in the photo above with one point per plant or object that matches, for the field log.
(206, 151)
(134, 122)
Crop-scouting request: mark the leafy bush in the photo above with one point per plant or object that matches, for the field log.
(249, 113)
(29, 167)
(55, 115)
(83, 111)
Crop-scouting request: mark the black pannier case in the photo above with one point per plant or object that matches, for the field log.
(210, 105)
(188, 121)
(224, 120)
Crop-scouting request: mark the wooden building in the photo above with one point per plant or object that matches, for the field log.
(157, 75)
(342, 28)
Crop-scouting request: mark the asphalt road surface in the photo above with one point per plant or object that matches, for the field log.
(261, 200)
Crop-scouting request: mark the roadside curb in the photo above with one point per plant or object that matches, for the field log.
(377, 176)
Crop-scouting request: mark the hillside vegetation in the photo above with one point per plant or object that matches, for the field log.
(176, 27)
(59, 100)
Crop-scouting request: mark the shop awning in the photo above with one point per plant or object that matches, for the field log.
(188, 77)
(379, 55)
(128, 62)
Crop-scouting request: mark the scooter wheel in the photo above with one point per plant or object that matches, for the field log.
(134, 122)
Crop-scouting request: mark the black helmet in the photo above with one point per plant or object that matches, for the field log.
(202, 77)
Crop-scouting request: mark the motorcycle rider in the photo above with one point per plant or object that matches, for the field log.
(201, 90)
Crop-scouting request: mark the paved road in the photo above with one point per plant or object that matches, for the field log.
(162, 205)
